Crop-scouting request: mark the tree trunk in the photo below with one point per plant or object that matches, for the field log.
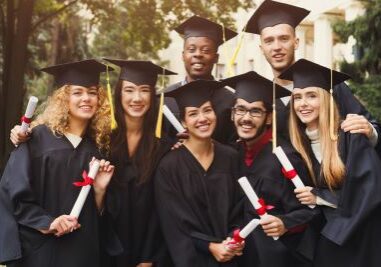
(15, 61)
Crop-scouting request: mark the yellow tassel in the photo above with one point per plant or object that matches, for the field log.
(230, 63)
(332, 132)
(159, 121)
(274, 128)
(109, 95)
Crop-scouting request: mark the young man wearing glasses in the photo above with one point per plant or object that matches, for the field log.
(252, 117)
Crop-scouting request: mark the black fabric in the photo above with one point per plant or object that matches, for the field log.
(223, 100)
(36, 187)
(130, 204)
(196, 204)
(351, 233)
(269, 183)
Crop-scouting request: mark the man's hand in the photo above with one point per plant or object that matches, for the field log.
(305, 195)
(17, 136)
(145, 264)
(272, 226)
(221, 251)
(354, 123)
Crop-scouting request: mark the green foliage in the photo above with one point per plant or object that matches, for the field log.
(366, 70)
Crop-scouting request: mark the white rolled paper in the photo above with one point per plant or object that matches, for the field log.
(78, 205)
(251, 195)
(32, 104)
(249, 228)
(172, 119)
(288, 167)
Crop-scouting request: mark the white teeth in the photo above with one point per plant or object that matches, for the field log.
(247, 126)
(198, 65)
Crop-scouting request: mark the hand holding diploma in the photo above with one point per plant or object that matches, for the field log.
(240, 235)
(288, 170)
(259, 204)
(26, 119)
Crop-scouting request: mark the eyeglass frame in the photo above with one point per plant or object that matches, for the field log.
(261, 112)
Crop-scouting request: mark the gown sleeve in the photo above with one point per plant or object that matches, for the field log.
(360, 194)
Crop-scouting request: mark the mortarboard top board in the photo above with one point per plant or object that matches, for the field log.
(139, 72)
(271, 13)
(197, 26)
(195, 93)
(305, 73)
(82, 73)
(253, 87)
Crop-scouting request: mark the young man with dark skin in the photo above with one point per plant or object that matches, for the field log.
(252, 117)
(202, 38)
(275, 23)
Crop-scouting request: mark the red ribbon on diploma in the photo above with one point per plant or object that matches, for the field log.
(25, 119)
(236, 237)
(291, 174)
(262, 210)
(86, 180)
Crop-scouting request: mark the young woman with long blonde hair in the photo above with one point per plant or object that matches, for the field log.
(344, 168)
(37, 191)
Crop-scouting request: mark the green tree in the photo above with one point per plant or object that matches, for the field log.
(366, 70)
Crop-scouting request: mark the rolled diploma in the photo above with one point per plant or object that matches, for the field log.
(251, 195)
(288, 167)
(249, 228)
(32, 104)
(172, 119)
(78, 205)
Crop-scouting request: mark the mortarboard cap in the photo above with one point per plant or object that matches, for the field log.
(305, 73)
(271, 13)
(139, 72)
(200, 27)
(195, 93)
(82, 73)
(252, 87)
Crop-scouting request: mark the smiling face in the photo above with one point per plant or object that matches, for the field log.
(136, 99)
(83, 102)
(278, 44)
(248, 126)
(200, 122)
(199, 56)
(307, 106)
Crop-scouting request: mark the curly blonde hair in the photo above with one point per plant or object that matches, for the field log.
(56, 117)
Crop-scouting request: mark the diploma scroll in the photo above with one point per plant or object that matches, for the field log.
(86, 186)
(289, 170)
(258, 204)
(172, 119)
(240, 235)
(26, 119)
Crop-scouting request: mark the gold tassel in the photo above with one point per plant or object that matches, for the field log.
(109, 96)
(230, 63)
(332, 132)
(274, 128)
(159, 121)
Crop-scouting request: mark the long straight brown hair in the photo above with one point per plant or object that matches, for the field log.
(332, 167)
(145, 155)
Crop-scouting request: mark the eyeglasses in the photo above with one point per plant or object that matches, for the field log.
(255, 112)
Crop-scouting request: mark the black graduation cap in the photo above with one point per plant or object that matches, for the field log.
(271, 13)
(82, 73)
(200, 27)
(305, 73)
(252, 87)
(139, 72)
(195, 93)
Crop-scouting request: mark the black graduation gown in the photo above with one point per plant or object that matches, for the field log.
(351, 235)
(37, 186)
(269, 183)
(130, 205)
(195, 205)
(346, 102)
(223, 101)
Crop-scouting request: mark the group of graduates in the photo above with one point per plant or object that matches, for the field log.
(175, 200)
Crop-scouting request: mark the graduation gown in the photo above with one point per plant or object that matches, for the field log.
(223, 101)
(351, 234)
(37, 186)
(346, 103)
(130, 205)
(195, 205)
(268, 181)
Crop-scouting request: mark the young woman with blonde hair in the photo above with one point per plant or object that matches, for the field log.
(37, 191)
(344, 168)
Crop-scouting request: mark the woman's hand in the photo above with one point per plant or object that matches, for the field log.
(104, 175)
(145, 264)
(272, 226)
(62, 225)
(305, 195)
(17, 136)
(237, 248)
(221, 251)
